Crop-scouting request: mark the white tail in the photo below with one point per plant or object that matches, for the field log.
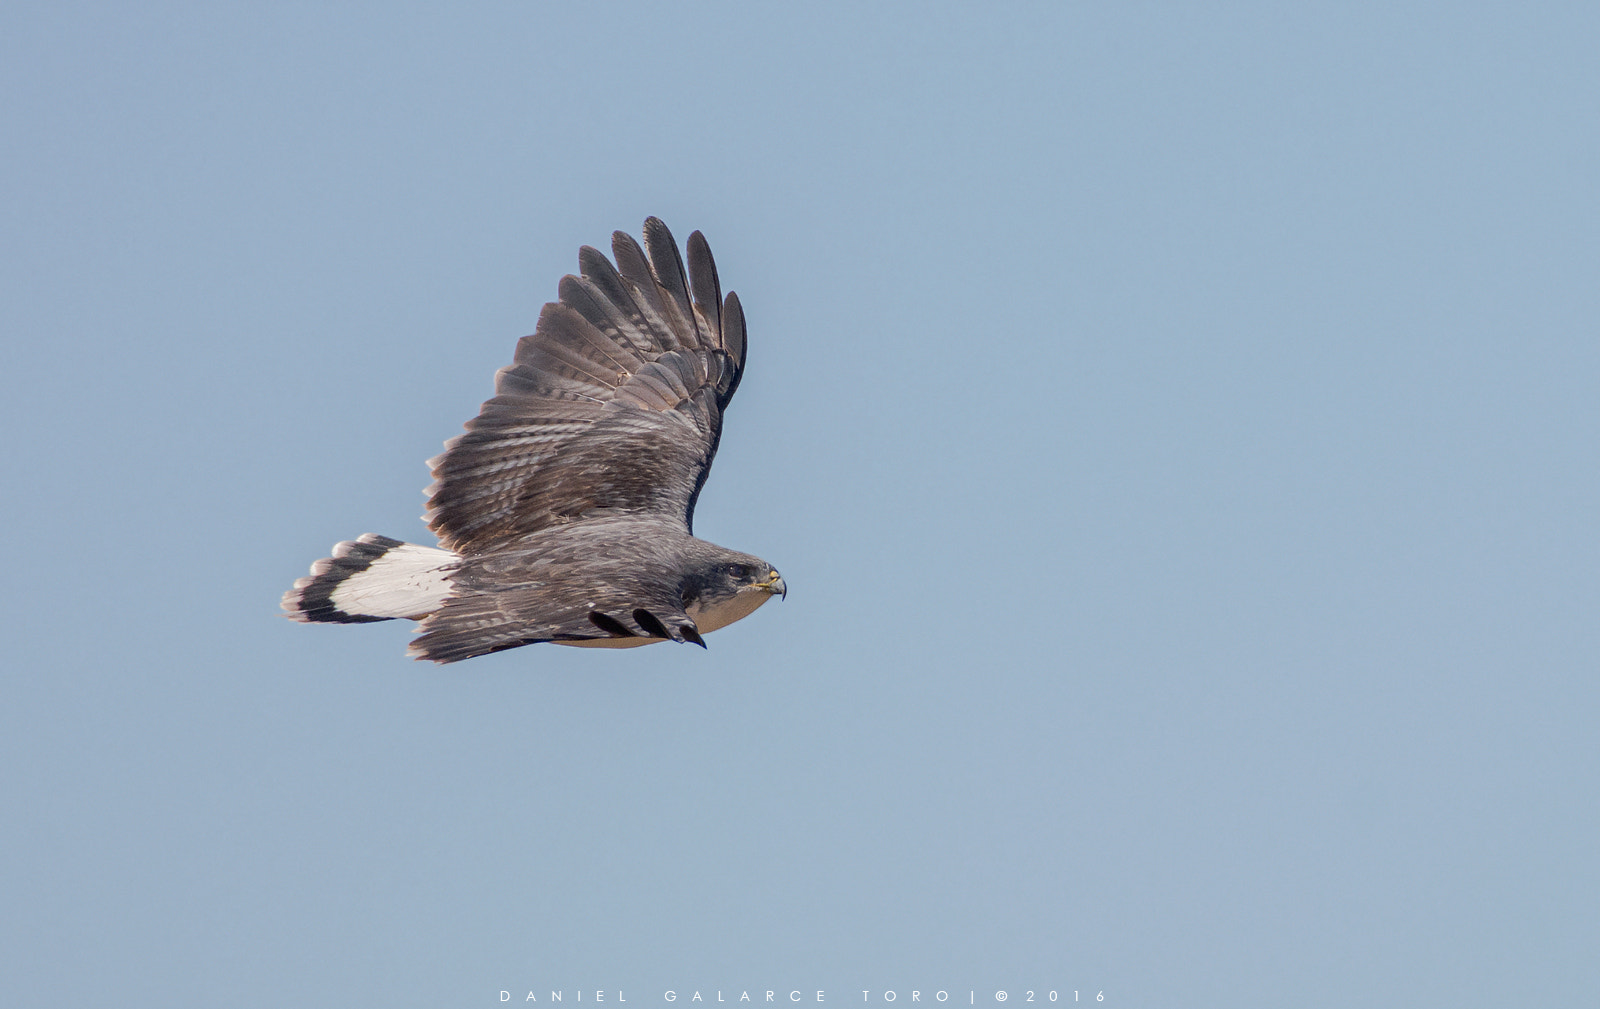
(373, 578)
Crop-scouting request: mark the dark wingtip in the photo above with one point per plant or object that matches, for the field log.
(664, 254)
(654, 226)
(692, 633)
(654, 627)
(705, 286)
(735, 340)
(590, 260)
(611, 625)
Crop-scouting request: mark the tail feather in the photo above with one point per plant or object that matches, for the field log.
(372, 578)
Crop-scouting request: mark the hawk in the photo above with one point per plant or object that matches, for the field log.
(565, 513)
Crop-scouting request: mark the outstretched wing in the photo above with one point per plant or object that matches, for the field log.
(613, 406)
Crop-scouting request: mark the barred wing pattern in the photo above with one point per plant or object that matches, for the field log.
(612, 407)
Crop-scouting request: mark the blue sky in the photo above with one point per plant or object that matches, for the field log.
(1176, 427)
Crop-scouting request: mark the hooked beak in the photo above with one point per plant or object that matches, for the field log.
(774, 585)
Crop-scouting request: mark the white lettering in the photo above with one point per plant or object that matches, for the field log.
(941, 995)
(794, 996)
(697, 998)
(888, 996)
(672, 996)
(744, 997)
(505, 996)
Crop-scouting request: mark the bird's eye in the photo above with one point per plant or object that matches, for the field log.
(738, 572)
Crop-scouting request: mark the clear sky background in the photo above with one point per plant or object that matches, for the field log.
(1176, 424)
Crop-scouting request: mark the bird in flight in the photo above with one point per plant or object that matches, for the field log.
(565, 513)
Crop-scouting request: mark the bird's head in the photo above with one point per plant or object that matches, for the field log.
(729, 588)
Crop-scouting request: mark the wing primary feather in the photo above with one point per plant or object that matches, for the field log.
(588, 334)
(703, 281)
(635, 268)
(667, 263)
(733, 339)
(655, 628)
(606, 298)
(611, 625)
(591, 261)
(692, 633)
